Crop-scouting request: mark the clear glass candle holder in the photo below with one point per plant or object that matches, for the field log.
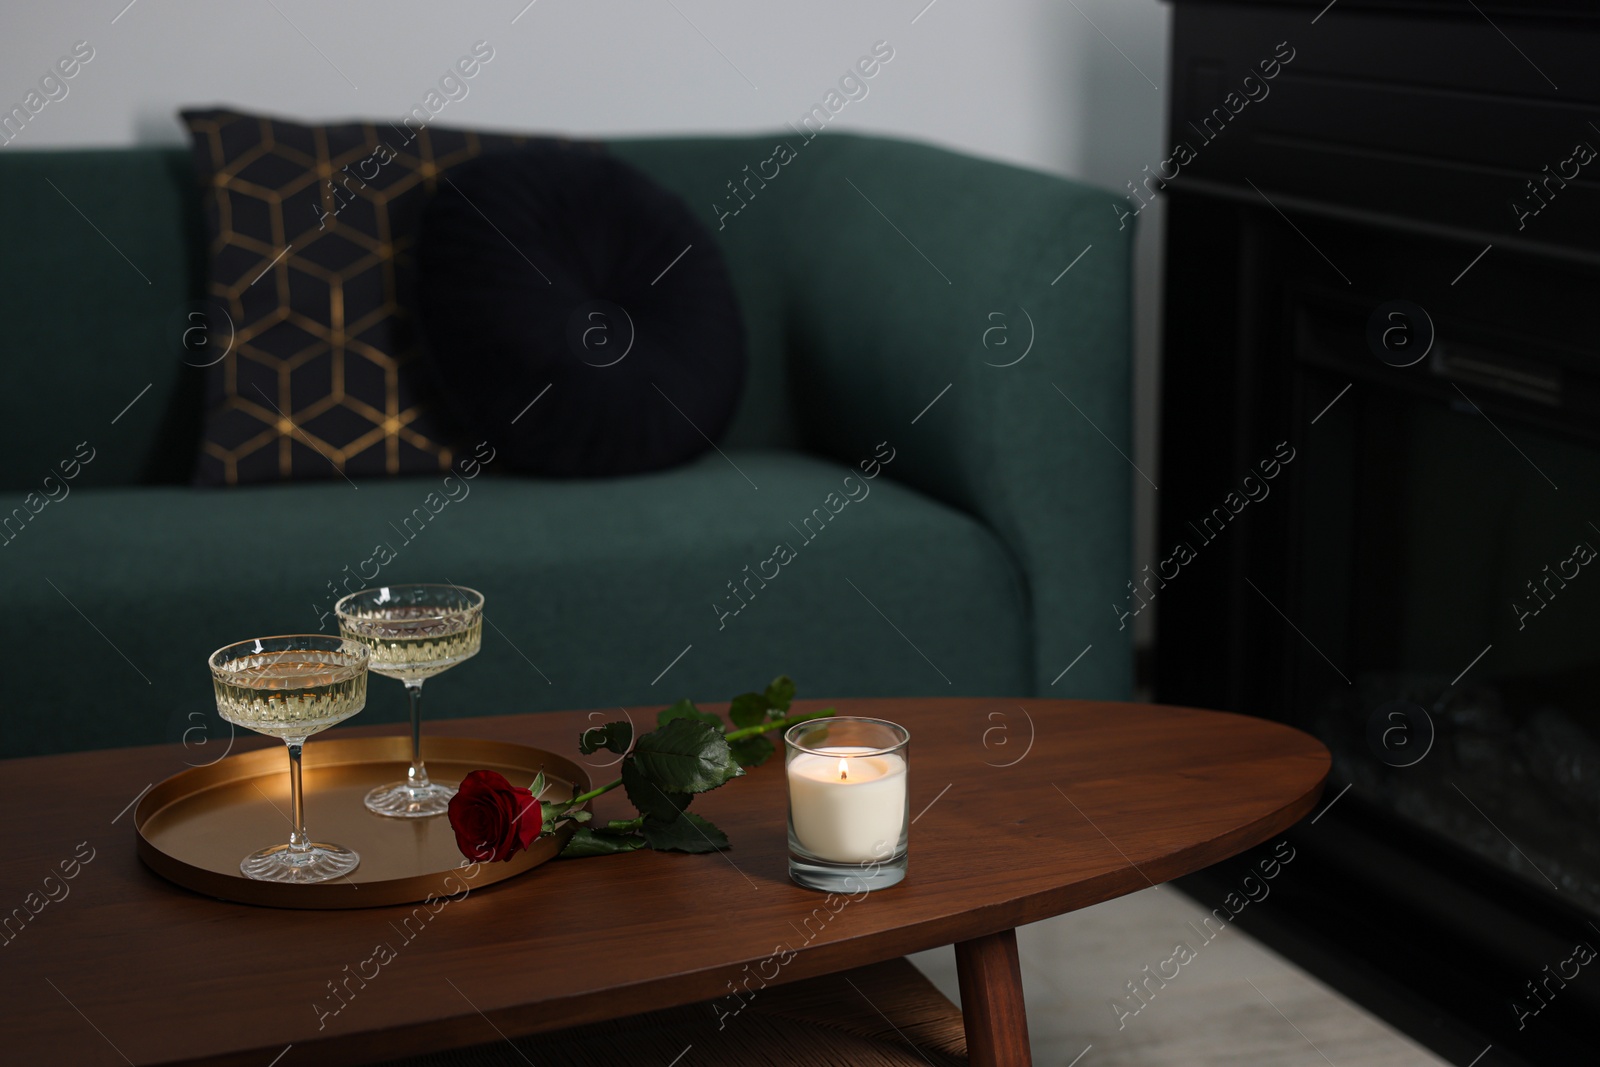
(849, 805)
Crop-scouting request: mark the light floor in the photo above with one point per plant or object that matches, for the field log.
(1074, 966)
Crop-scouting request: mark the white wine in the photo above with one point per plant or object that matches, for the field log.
(411, 633)
(289, 694)
(410, 643)
(291, 687)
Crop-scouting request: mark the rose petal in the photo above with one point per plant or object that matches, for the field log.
(532, 822)
(483, 814)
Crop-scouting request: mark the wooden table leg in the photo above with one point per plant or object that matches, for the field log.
(991, 1001)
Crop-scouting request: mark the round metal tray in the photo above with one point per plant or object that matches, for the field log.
(196, 826)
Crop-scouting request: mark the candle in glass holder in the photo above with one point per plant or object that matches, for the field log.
(848, 804)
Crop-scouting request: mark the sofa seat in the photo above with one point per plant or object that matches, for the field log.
(619, 586)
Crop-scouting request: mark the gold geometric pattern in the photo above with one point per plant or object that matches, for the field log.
(312, 254)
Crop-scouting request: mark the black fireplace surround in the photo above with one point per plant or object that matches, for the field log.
(1380, 488)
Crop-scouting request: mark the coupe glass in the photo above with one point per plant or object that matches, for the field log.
(413, 633)
(292, 687)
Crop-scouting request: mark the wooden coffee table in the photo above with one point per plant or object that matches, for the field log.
(1023, 810)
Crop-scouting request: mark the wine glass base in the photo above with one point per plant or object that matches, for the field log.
(318, 863)
(401, 801)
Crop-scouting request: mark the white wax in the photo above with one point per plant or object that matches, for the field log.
(856, 818)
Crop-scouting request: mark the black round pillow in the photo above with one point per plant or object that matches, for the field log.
(577, 315)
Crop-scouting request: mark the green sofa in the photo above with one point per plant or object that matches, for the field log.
(878, 278)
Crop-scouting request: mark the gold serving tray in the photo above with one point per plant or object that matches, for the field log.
(196, 826)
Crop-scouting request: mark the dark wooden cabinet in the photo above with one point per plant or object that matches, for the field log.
(1325, 161)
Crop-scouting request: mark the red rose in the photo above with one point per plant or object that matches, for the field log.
(493, 819)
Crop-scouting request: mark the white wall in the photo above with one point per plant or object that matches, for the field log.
(1034, 82)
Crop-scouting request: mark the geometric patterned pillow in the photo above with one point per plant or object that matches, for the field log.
(312, 255)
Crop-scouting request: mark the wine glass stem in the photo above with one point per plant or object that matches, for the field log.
(298, 841)
(417, 776)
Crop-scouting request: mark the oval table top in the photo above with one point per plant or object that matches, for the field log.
(1023, 809)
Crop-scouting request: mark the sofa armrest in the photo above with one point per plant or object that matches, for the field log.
(917, 281)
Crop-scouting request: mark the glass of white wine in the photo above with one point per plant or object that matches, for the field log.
(414, 632)
(292, 687)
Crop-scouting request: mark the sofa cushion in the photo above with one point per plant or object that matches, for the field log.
(312, 233)
(633, 591)
(543, 270)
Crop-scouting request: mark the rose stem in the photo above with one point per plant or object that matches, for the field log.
(775, 724)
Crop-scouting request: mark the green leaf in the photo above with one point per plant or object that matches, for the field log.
(751, 751)
(685, 709)
(614, 736)
(647, 796)
(588, 842)
(579, 816)
(538, 785)
(685, 756)
(780, 692)
(687, 833)
(749, 709)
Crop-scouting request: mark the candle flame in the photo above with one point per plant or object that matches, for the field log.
(843, 770)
